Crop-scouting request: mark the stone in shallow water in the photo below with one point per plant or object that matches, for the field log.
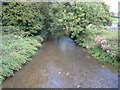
(67, 73)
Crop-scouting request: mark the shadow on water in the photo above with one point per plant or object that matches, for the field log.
(59, 63)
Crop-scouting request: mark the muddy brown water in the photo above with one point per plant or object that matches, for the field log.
(59, 63)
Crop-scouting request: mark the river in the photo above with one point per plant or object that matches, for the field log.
(59, 63)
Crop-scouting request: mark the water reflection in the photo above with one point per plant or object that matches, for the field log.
(65, 44)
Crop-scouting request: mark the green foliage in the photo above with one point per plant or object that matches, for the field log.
(24, 18)
(88, 40)
(71, 17)
(114, 19)
(39, 38)
(74, 17)
(16, 51)
(24, 29)
(99, 54)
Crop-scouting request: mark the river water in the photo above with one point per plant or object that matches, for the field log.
(59, 63)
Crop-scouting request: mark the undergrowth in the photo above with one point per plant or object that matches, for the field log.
(16, 50)
(102, 45)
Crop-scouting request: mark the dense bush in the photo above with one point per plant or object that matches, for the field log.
(24, 18)
(73, 17)
(69, 18)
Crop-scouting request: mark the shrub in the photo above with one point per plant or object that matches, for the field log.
(24, 18)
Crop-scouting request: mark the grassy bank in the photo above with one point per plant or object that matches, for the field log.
(102, 45)
(16, 51)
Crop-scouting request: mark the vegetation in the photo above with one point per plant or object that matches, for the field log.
(25, 25)
(23, 18)
(16, 51)
(114, 19)
(73, 18)
(23, 32)
(102, 45)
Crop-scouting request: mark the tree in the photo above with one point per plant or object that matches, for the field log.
(74, 17)
(25, 17)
